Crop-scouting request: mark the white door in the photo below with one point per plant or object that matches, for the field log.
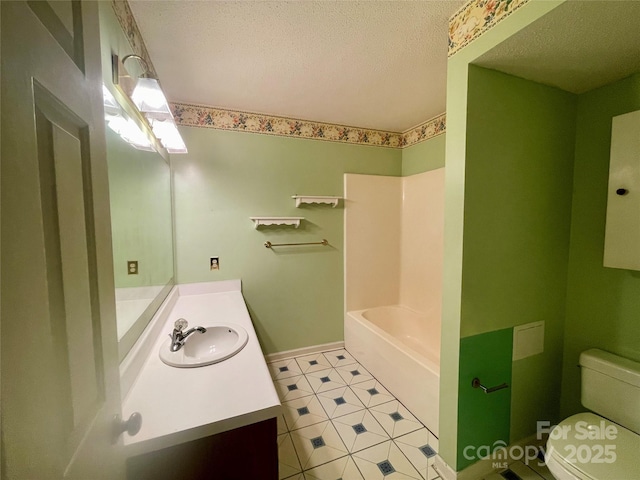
(60, 383)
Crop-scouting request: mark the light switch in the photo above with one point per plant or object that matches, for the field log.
(528, 340)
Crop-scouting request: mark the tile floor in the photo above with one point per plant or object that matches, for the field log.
(339, 422)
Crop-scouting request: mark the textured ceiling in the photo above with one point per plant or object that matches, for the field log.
(578, 46)
(372, 64)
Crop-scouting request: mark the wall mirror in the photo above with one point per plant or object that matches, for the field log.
(142, 231)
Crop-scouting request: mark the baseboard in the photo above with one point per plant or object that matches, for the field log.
(443, 469)
(480, 469)
(273, 357)
(484, 467)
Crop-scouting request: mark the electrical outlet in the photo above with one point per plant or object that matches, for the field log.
(214, 263)
(132, 267)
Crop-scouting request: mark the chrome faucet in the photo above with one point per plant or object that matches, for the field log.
(178, 337)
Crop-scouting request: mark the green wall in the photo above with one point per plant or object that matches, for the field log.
(519, 169)
(295, 295)
(517, 202)
(455, 205)
(603, 304)
(484, 417)
(424, 156)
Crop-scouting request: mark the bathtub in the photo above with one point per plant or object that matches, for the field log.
(401, 348)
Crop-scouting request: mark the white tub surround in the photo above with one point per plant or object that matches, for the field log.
(183, 404)
(394, 240)
(393, 283)
(401, 348)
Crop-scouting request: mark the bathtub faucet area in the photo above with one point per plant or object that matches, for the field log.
(178, 337)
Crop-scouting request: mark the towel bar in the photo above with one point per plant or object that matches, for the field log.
(324, 243)
(475, 383)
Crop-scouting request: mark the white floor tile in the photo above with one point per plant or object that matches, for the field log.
(313, 363)
(313, 389)
(342, 469)
(395, 418)
(288, 463)
(339, 358)
(371, 393)
(354, 373)
(318, 444)
(359, 430)
(293, 387)
(284, 369)
(325, 380)
(282, 425)
(340, 401)
(415, 446)
(432, 474)
(303, 412)
(385, 462)
(434, 442)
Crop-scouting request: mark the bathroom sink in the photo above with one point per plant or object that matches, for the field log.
(217, 344)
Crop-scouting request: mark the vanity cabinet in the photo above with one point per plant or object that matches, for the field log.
(249, 452)
(213, 422)
(622, 234)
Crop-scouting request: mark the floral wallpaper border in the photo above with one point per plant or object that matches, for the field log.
(426, 130)
(128, 23)
(475, 18)
(189, 115)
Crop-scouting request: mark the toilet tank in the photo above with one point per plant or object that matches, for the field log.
(611, 387)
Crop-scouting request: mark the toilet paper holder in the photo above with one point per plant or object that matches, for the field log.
(475, 383)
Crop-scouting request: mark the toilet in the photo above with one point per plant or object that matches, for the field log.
(604, 443)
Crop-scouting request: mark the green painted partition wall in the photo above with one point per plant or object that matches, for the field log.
(603, 304)
(455, 210)
(295, 295)
(484, 417)
(517, 217)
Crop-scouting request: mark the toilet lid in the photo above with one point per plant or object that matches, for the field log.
(591, 447)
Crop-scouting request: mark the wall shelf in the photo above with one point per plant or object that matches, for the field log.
(293, 221)
(328, 199)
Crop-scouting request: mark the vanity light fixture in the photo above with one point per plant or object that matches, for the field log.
(147, 94)
(149, 99)
(125, 127)
(167, 132)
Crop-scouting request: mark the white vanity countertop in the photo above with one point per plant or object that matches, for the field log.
(183, 404)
